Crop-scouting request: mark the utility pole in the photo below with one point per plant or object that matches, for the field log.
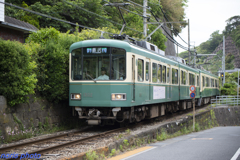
(144, 18)
(177, 50)
(195, 54)
(188, 43)
(223, 60)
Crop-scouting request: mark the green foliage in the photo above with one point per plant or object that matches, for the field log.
(197, 127)
(21, 14)
(17, 78)
(162, 136)
(236, 36)
(232, 24)
(183, 55)
(174, 10)
(79, 11)
(128, 131)
(44, 35)
(229, 61)
(113, 152)
(91, 155)
(210, 45)
(121, 148)
(158, 38)
(125, 142)
(230, 86)
(52, 57)
(18, 122)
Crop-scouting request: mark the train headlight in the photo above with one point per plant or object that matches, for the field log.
(119, 96)
(76, 96)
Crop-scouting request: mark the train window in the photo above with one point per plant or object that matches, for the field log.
(174, 76)
(76, 72)
(164, 74)
(168, 75)
(207, 82)
(191, 79)
(140, 70)
(186, 75)
(197, 80)
(212, 82)
(154, 72)
(117, 70)
(99, 63)
(147, 71)
(203, 81)
(159, 74)
(183, 78)
(215, 83)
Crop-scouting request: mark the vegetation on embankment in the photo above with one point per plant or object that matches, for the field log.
(94, 14)
(40, 65)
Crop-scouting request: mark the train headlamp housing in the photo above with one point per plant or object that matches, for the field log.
(76, 96)
(118, 97)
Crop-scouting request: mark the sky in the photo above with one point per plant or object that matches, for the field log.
(206, 17)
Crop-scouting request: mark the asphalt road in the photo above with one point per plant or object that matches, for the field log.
(220, 143)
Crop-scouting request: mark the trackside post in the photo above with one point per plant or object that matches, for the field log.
(192, 95)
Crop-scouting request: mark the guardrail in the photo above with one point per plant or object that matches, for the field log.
(225, 100)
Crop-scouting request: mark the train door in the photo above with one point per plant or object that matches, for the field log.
(148, 80)
(133, 78)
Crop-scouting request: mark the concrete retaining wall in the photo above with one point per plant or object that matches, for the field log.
(30, 115)
(228, 115)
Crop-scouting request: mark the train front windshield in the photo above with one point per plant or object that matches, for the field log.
(98, 63)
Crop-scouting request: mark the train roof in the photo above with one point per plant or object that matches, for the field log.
(101, 42)
(130, 47)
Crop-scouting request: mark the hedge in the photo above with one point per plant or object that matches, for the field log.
(17, 79)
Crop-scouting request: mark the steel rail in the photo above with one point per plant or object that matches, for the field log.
(39, 140)
(74, 142)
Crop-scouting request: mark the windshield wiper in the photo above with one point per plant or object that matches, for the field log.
(91, 78)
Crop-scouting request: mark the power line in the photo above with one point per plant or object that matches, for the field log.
(172, 40)
(100, 16)
(163, 14)
(171, 24)
(44, 15)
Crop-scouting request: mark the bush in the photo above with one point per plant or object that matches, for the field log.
(17, 79)
(52, 57)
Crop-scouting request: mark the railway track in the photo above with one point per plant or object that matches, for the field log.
(57, 145)
(47, 146)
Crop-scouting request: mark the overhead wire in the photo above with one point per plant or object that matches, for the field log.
(163, 14)
(47, 16)
(100, 16)
(44, 15)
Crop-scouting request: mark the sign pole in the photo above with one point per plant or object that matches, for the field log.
(193, 100)
(192, 95)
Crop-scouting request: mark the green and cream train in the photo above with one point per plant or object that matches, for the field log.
(118, 81)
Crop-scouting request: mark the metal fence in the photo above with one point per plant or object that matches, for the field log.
(225, 100)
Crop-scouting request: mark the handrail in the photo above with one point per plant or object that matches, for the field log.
(225, 100)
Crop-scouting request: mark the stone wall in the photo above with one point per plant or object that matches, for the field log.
(230, 48)
(30, 115)
(228, 116)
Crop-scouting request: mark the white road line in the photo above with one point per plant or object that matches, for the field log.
(139, 153)
(236, 155)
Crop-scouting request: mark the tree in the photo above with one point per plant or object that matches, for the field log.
(232, 24)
